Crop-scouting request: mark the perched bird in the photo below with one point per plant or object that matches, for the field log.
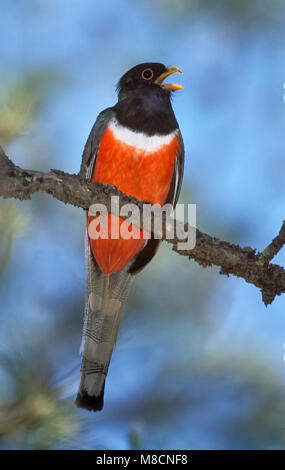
(136, 146)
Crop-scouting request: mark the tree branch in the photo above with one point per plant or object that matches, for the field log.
(274, 247)
(255, 268)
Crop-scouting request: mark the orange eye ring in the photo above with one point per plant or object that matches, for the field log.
(147, 74)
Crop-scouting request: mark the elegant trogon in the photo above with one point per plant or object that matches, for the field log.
(136, 146)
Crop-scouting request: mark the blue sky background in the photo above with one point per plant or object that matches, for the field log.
(198, 355)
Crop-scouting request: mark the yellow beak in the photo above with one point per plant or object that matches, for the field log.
(169, 86)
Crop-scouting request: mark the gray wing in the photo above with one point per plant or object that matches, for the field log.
(91, 147)
(176, 182)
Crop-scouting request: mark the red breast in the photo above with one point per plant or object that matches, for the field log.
(137, 172)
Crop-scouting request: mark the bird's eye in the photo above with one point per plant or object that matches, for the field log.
(147, 74)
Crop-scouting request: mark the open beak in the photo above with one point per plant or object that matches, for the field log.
(169, 86)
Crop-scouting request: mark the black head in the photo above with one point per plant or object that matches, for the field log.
(147, 76)
(144, 100)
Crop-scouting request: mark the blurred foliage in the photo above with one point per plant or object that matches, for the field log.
(134, 437)
(251, 13)
(12, 223)
(252, 380)
(20, 102)
(33, 417)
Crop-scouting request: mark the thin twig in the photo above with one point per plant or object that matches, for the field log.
(274, 247)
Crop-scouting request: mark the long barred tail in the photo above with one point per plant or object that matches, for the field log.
(104, 302)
